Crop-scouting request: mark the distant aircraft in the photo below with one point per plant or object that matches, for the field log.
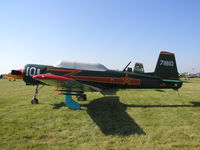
(139, 68)
(74, 78)
(13, 77)
(187, 76)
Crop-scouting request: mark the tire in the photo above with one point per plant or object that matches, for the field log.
(34, 101)
(82, 97)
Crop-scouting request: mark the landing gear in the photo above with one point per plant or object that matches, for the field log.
(70, 103)
(81, 97)
(35, 100)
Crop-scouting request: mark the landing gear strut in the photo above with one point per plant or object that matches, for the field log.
(35, 100)
(70, 103)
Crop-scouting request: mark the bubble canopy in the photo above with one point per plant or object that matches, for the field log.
(81, 66)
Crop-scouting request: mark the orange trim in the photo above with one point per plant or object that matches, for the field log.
(62, 70)
(167, 53)
(139, 63)
(11, 76)
(121, 80)
(51, 77)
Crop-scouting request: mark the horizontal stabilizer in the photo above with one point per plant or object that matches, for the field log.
(175, 81)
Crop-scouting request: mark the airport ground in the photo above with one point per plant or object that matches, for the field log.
(132, 119)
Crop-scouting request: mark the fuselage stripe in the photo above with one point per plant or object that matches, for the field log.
(112, 80)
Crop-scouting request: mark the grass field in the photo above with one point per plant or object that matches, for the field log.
(133, 119)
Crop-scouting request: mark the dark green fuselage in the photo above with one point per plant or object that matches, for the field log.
(102, 79)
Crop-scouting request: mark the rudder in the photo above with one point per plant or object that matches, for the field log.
(166, 66)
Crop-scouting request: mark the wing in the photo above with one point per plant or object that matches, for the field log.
(64, 83)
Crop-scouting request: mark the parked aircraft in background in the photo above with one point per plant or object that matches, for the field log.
(187, 76)
(13, 77)
(139, 68)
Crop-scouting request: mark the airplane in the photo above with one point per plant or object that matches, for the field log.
(187, 76)
(138, 68)
(75, 78)
(13, 77)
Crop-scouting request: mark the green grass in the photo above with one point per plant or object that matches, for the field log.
(133, 119)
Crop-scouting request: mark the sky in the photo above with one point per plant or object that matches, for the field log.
(111, 32)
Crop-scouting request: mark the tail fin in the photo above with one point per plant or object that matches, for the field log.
(138, 68)
(166, 66)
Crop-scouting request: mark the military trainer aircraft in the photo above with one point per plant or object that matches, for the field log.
(74, 78)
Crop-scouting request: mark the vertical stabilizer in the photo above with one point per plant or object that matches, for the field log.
(139, 68)
(166, 66)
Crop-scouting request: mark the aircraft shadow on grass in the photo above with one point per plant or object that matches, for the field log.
(159, 90)
(194, 104)
(110, 116)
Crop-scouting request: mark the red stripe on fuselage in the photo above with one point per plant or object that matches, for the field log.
(51, 77)
(112, 80)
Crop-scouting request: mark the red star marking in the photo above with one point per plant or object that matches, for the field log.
(127, 79)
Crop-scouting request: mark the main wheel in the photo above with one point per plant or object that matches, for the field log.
(34, 101)
(82, 97)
